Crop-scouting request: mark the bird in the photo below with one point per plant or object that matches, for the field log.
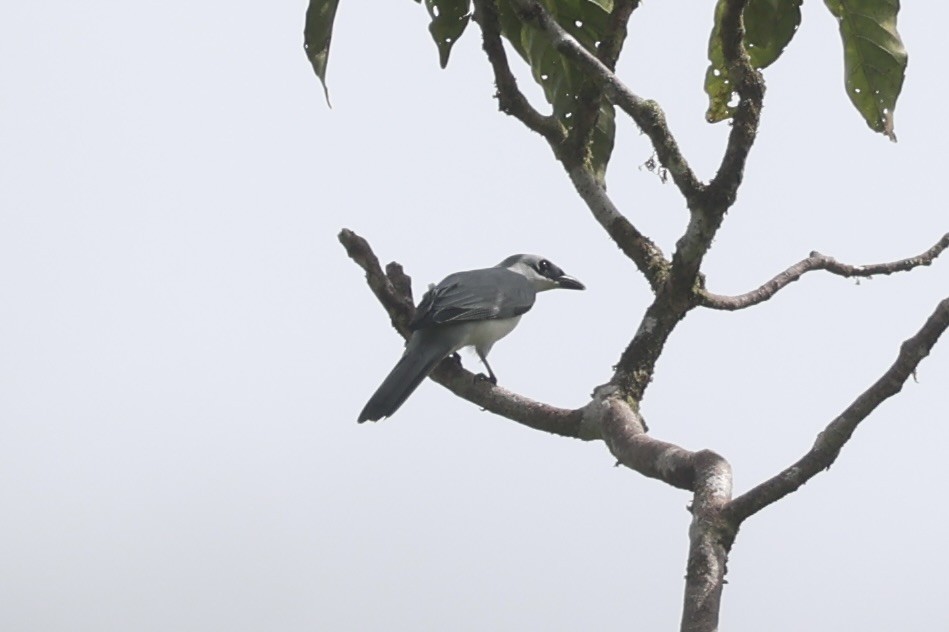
(474, 308)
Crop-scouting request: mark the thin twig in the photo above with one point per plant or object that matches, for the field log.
(510, 98)
(838, 432)
(817, 261)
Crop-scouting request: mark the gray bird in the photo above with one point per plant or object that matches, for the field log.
(475, 308)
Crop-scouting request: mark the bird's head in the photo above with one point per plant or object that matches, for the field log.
(543, 273)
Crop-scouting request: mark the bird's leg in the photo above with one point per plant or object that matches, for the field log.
(491, 376)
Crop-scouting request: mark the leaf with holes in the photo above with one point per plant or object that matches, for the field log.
(769, 27)
(449, 19)
(317, 33)
(585, 20)
(874, 58)
(718, 86)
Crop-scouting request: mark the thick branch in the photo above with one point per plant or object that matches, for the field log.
(646, 114)
(817, 261)
(636, 365)
(838, 432)
(624, 431)
(500, 401)
(510, 98)
(393, 291)
(710, 539)
(705, 473)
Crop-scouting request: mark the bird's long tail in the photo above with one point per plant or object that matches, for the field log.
(420, 358)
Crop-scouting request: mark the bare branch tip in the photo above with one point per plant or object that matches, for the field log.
(831, 440)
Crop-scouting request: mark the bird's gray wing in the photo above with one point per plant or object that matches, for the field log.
(475, 295)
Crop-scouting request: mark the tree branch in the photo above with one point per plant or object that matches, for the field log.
(705, 473)
(590, 96)
(749, 84)
(624, 432)
(838, 432)
(817, 261)
(710, 539)
(646, 114)
(708, 210)
(510, 98)
(633, 373)
(500, 401)
(395, 292)
(639, 248)
(612, 43)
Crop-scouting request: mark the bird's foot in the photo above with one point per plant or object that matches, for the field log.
(481, 377)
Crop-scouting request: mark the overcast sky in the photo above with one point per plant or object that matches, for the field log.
(184, 347)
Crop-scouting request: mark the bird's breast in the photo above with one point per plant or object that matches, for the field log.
(484, 333)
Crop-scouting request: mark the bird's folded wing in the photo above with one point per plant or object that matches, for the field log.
(475, 295)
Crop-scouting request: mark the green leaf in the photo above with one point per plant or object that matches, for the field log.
(562, 80)
(317, 34)
(449, 19)
(717, 84)
(874, 58)
(769, 27)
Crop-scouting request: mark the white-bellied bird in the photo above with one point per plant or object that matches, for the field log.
(475, 308)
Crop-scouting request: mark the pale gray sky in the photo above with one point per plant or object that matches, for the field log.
(184, 346)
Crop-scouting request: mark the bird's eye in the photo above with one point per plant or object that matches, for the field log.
(543, 266)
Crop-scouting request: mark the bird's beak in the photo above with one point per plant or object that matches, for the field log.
(569, 283)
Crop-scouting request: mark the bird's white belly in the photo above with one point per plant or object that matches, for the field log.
(483, 334)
